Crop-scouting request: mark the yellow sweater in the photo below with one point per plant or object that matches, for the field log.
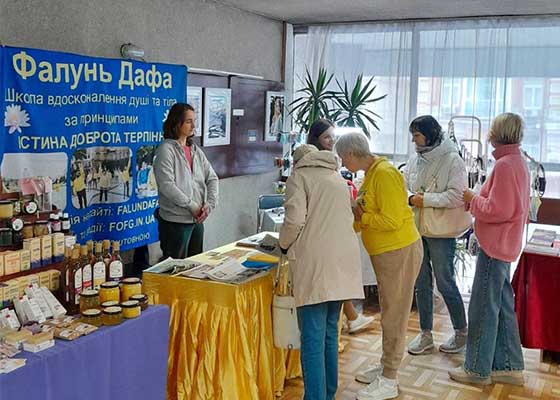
(388, 221)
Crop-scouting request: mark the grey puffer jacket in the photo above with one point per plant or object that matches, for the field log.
(182, 192)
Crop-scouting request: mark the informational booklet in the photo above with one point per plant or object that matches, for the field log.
(172, 266)
(542, 237)
(228, 271)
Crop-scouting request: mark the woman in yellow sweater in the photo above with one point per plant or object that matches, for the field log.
(390, 236)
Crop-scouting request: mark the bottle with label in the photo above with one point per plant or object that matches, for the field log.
(65, 276)
(75, 282)
(90, 254)
(65, 224)
(87, 274)
(99, 267)
(106, 254)
(115, 271)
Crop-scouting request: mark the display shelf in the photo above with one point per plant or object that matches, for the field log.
(32, 271)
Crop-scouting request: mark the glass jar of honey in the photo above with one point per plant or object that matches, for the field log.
(92, 316)
(107, 304)
(130, 309)
(27, 230)
(41, 228)
(130, 287)
(112, 316)
(6, 209)
(109, 291)
(142, 299)
(89, 299)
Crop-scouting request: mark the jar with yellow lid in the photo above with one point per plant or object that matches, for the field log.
(92, 316)
(130, 309)
(142, 299)
(6, 209)
(107, 304)
(109, 291)
(89, 299)
(130, 287)
(112, 316)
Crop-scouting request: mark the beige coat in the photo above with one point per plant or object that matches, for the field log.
(322, 246)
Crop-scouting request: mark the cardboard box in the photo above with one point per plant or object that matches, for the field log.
(12, 290)
(2, 264)
(46, 250)
(33, 278)
(57, 247)
(34, 247)
(45, 279)
(25, 260)
(55, 279)
(22, 282)
(12, 262)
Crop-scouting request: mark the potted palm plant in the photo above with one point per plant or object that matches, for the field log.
(343, 107)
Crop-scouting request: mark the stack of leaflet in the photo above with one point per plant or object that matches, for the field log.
(544, 242)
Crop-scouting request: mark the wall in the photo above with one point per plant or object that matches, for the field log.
(197, 33)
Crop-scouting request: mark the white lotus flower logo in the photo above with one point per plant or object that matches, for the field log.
(15, 118)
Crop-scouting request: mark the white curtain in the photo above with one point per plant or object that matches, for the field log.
(380, 50)
(474, 67)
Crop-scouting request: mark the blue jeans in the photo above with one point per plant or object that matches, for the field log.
(318, 324)
(438, 257)
(493, 342)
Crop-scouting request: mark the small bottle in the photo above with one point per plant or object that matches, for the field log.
(106, 252)
(51, 223)
(115, 271)
(99, 267)
(75, 282)
(91, 255)
(87, 277)
(65, 276)
(65, 222)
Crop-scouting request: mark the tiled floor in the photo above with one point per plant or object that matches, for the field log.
(425, 377)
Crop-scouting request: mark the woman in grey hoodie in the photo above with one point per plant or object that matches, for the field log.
(187, 186)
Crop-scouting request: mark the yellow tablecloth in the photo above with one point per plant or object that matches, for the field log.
(220, 341)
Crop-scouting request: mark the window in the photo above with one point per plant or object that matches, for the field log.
(480, 67)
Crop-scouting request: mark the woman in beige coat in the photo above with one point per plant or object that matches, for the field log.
(324, 259)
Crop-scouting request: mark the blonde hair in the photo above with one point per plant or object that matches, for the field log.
(507, 128)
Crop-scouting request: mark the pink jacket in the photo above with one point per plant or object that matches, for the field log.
(502, 208)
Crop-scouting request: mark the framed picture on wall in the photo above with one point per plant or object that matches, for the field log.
(275, 115)
(217, 117)
(194, 98)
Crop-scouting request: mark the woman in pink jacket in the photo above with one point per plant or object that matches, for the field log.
(501, 209)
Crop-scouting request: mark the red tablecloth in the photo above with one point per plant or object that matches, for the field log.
(536, 284)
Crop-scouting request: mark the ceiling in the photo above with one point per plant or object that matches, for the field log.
(317, 11)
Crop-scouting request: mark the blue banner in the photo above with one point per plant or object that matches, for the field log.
(80, 133)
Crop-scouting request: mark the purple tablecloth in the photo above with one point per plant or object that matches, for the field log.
(128, 361)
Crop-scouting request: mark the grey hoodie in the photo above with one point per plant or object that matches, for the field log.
(182, 192)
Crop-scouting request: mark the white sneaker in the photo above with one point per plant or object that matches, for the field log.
(369, 374)
(359, 323)
(380, 389)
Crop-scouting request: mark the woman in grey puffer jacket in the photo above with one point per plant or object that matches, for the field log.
(436, 177)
